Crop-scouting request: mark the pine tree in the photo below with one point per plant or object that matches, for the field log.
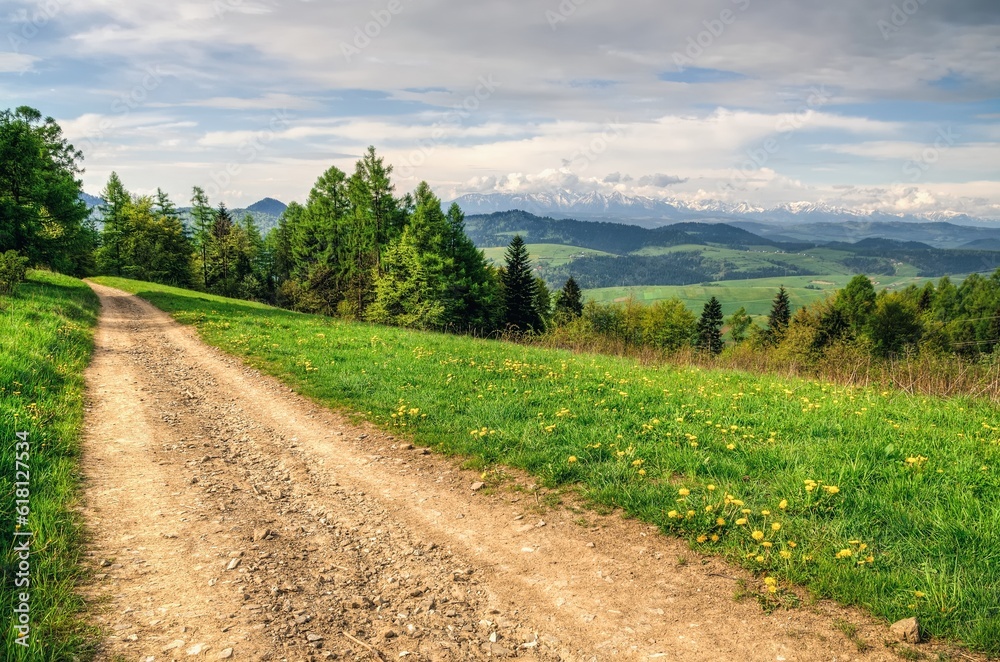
(520, 314)
(778, 319)
(709, 333)
(203, 217)
(164, 206)
(470, 281)
(220, 251)
(114, 214)
(412, 289)
(569, 303)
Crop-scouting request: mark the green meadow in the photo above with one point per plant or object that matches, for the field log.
(755, 295)
(877, 499)
(46, 340)
(545, 255)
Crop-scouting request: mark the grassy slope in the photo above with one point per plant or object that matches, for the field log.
(46, 339)
(908, 486)
(545, 255)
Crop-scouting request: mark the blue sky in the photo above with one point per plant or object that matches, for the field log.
(863, 104)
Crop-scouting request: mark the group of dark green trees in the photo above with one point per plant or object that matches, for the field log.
(356, 250)
(935, 318)
(41, 214)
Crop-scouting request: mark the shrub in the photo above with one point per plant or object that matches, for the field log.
(13, 268)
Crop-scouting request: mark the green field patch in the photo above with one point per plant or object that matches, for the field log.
(546, 255)
(755, 295)
(874, 498)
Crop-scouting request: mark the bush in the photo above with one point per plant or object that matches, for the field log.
(13, 268)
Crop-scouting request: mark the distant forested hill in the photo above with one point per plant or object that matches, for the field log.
(497, 230)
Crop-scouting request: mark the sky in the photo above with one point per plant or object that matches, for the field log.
(862, 104)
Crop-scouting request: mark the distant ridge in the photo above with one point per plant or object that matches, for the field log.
(653, 212)
(91, 200)
(269, 206)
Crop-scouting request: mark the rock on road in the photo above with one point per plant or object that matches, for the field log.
(229, 518)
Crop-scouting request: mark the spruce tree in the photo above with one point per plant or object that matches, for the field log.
(114, 213)
(471, 282)
(569, 302)
(709, 333)
(520, 314)
(777, 320)
(412, 288)
(203, 217)
(220, 253)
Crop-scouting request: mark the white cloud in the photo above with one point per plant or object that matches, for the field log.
(17, 63)
(570, 104)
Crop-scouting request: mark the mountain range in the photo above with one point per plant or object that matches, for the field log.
(652, 212)
(795, 223)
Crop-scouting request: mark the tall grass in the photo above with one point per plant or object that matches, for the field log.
(941, 375)
(46, 339)
(871, 496)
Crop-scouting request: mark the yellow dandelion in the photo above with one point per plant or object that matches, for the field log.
(571, 459)
(741, 521)
(715, 538)
(710, 487)
(731, 447)
(765, 512)
(720, 521)
(776, 527)
(759, 559)
(684, 492)
(783, 504)
(702, 538)
(757, 535)
(672, 514)
(785, 554)
(831, 489)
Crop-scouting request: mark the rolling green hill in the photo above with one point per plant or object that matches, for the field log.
(755, 295)
(609, 260)
(546, 255)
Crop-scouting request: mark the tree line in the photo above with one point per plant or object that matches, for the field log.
(358, 250)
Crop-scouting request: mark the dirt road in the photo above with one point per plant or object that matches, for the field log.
(232, 519)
